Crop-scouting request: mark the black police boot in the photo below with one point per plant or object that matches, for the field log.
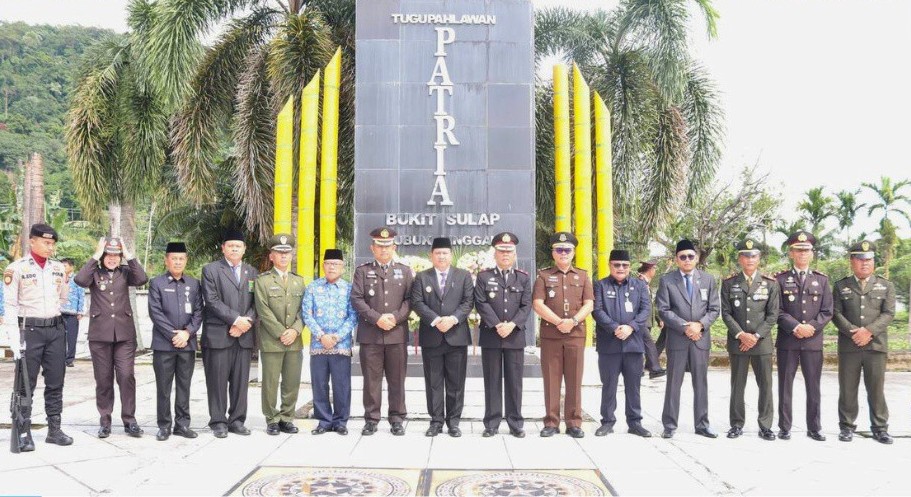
(54, 434)
(26, 444)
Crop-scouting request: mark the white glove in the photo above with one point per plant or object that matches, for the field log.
(15, 339)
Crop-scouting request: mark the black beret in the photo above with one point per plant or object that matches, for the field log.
(333, 255)
(563, 238)
(232, 235)
(176, 248)
(441, 243)
(801, 240)
(684, 245)
(619, 255)
(42, 231)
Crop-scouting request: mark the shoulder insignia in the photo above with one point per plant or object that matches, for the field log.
(731, 276)
(366, 264)
(768, 277)
(819, 273)
(521, 271)
(782, 272)
(7, 276)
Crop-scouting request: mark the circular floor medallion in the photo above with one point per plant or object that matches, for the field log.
(328, 482)
(518, 483)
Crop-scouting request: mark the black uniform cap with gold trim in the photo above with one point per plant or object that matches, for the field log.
(563, 239)
(383, 236)
(281, 242)
(801, 240)
(505, 242)
(112, 246)
(864, 249)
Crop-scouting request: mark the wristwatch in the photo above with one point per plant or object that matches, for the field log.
(575, 322)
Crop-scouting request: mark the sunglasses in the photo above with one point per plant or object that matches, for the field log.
(687, 257)
(563, 250)
(619, 265)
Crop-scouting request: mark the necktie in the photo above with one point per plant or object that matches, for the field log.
(689, 284)
(506, 277)
(803, 277)
(749, 280)
(443, 283)
(237, 273)
(863, 284)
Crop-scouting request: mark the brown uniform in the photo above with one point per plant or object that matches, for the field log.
(376, 291)
(562, 354)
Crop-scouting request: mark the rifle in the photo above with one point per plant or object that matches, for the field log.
(20, 403)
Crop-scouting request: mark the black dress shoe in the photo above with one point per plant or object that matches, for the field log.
(239, 430)
(70, 364)
(133, 430)
(163, 434)
(735, 432)
(767, 435)
(667, 433)
(517, 433)
(434, 430)
(846, 435)
(104, 432)
(489, 432)
(604, 430)
(815, 435)
(657, 374)
(707, 433)
(220, 431)
(784, 434)
(272, 429)
(639, 431)
(397, 429)
(319, 430)
(455, 432)
(185, 432)
(882, 437)
(369, 429)
(549, 431)
(575, 432)
(287, 427)
(341, 430)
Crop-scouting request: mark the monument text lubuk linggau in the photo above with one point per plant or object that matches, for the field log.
(444, 137)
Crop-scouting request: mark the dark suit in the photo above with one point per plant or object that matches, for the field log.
(616, 303)
(376, 291)
(112, 334)
(676, 308)
(873, 308)
(499, 300)
(750, 309)
(174, 305)
(445, 354)
(226, 359)
(810, 303)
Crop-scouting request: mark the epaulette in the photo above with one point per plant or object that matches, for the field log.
(779, 273)
(819, 273)
(368, 263)
(768, 277)
(521, 271)
(732, 275)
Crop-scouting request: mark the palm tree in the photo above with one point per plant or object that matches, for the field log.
(817, 208)
(666, 120)
(847, 209)
(231, 92)
(890, 200)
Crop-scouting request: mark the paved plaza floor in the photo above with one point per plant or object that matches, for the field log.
(382, 464)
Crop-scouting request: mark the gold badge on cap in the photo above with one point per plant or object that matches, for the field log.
(384, 233)
(562, 237)
(802, 237)
(507, 238)
(284, 240)
(750, 244)
(865, 246)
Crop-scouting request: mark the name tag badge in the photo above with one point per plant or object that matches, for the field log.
(628, 306)
(169, 290)
(188, 308)
(705, 293)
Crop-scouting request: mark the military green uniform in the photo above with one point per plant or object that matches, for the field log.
(750, 307)
(278, 305)
(869, 305)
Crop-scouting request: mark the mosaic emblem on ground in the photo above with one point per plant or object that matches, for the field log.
(327, 481)
(518, 483)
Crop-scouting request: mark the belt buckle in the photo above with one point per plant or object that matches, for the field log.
(565, 306)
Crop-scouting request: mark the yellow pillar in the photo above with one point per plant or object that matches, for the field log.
(562, 173)
(306, 181)
(604, 189)
(284, 169)
(328, 188)
(582, 187)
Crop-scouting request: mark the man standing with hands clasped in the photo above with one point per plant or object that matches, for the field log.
(688, 304)
(749, 308)
(227, 338)
(864, 308)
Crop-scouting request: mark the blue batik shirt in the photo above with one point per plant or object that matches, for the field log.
(76, 302)
(327, 309)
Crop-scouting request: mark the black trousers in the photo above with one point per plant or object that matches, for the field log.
(173, 367)
(651, 352)
(611, 366)
(71, 324)
(810, 362)
(112, 360)
(444, 378)
(227, 378)
(503, 370)
(45, 350)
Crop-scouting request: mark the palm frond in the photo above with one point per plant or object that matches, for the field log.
(664, 185)
(300, 48)
(660, 27)
(705, 129)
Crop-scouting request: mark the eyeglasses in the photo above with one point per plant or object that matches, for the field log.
(563, 250)
(687, 257)
(619, 265)
(327, 263)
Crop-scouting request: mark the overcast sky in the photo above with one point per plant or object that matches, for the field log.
(815, 91)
